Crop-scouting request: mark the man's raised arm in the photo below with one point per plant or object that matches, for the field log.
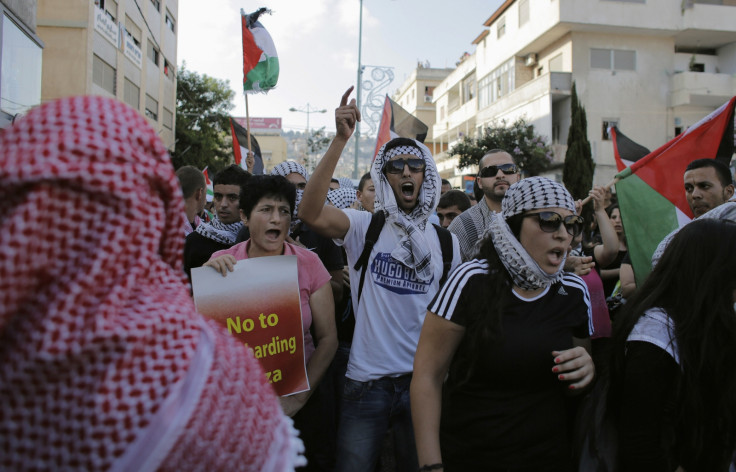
(328, 220)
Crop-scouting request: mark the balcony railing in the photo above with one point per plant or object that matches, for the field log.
(701, 89)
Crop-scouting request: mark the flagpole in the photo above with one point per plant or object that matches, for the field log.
(607, 186)
(247, 131)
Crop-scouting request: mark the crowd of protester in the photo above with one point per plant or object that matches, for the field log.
(492, 331)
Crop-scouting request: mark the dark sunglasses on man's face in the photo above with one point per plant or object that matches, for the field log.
(491, 171)
(396, 166)
(550, 221)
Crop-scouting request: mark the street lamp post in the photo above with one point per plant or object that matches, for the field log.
(357, 86)
(307, 109)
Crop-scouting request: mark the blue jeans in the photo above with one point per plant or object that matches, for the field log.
(368, 410)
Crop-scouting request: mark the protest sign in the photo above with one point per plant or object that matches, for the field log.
(259, 304)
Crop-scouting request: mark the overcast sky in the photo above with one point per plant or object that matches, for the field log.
(317, 44)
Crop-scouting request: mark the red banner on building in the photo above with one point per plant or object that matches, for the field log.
(260, 123)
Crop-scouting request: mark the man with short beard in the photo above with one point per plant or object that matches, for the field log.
(708, 184)
(496, 172)
(222, 231)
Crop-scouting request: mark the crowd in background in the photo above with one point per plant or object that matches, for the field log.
(498, 331)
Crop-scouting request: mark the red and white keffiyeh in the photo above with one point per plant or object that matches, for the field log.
(104, 363)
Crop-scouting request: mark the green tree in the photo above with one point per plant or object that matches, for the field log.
(203, 137)
(577, 171)
(530, 150)
(317, 140)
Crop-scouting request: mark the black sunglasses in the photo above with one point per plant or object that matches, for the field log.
(491, 171)
(550, 221)
(416, 164)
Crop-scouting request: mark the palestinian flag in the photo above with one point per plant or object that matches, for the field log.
(260, 62)
(625, 151)
(208, 184)
(240, 147)
(397, 122)
(651, 194)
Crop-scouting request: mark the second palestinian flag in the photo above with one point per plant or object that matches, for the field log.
(651, 194)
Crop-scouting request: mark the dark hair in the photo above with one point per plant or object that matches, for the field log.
(477, 191)
(396, 142)
(334, 180)
(260, 186)
(611, 207)
(191, 179)
(454, 198)
(365, 178)
(446, 182)
(495, 151)
(231, 175)
(693, 283)
(485, 314)
(722, 170)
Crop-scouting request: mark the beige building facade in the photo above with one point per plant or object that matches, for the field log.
(651, 67)
(416, 95)
(124, 49)
(268, 133)
(21, 52)
(273, 147)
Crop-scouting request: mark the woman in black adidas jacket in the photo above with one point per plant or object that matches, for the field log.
(497, 356)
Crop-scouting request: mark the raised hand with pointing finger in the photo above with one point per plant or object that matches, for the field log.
(346, 115)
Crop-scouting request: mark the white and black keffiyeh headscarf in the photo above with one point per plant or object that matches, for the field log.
(726, 211)
(532, 193)
(345, 182)
(342, 197)
(218, 231)
(290, 167)
(413, 250)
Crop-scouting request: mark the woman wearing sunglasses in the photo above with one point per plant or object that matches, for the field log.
(500, 348)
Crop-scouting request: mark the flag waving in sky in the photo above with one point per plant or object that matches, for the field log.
(625, 151)
(260, 62)
(240, 147)
(397, 122)
(651, 192)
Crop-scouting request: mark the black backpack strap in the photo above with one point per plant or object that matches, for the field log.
(446, 246)
(371, 237)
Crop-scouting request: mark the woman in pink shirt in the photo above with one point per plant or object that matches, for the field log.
(266, 207)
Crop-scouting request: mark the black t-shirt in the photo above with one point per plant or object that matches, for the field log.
(198, 249)
(610, 284)
(512, 411)
(648, 404)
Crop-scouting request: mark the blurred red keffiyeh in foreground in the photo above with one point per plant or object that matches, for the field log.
(104, 363)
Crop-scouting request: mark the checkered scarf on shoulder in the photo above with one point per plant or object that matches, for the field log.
(532, 193)
(413, 251)
(221, 232)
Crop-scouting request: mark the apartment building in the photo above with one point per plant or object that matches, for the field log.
(652, 67)
(416, 95)
(20, 59)
(125, 49)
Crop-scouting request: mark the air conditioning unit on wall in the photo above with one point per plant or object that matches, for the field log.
(531, 59)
